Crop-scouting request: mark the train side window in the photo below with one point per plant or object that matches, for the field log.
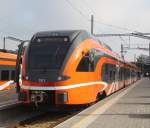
(4, 75)
(12, 75)
(120, 74)
(112, 72)
(114, 75)
(105, 73)
(111, 75)
(129, 74)
(125, 73)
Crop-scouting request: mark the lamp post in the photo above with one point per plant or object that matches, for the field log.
(4, 43)
(149, 50)
(12, 38)
(92, 24)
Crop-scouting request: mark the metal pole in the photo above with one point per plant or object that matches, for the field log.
(149, 60)
(92, 24)
(4, 41)
(149, 50)
(134, 58)
(122, 51)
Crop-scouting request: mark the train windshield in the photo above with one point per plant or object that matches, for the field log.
(48, 52)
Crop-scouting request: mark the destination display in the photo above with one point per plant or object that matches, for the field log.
(52, 39)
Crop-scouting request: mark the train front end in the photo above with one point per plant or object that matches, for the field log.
(42, 67)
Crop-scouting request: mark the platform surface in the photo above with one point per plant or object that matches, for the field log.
(127, 108)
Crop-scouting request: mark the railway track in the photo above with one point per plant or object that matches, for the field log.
(20, 116)
(8, 104)
(8, 98)
(46, 120)
(14, 114)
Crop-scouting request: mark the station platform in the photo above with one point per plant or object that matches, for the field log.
(127, 108)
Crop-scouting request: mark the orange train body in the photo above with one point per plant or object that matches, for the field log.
(71, 67)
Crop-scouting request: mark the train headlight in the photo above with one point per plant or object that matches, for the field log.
(59, 78)
(26, 77)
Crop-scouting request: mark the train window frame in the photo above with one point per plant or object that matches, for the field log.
(12, 75)
(121, 73)
(87, 62)
(108, 73)
(105, 74)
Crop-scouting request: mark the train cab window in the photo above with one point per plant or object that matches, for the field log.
(13, 75)
(5, 75)
(86, 64)
(48, 52)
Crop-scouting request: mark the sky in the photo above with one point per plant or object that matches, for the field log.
(23, 18)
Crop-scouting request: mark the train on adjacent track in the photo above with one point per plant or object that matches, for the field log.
(70, 68)
(7, 69)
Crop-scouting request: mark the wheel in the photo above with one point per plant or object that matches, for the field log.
(100, 96)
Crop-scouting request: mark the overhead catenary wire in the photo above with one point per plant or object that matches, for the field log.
(102, 23)
(88, 7)
(77, 10)
(96, 21)
(115, 26)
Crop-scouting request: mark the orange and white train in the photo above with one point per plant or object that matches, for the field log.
(70, 68)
